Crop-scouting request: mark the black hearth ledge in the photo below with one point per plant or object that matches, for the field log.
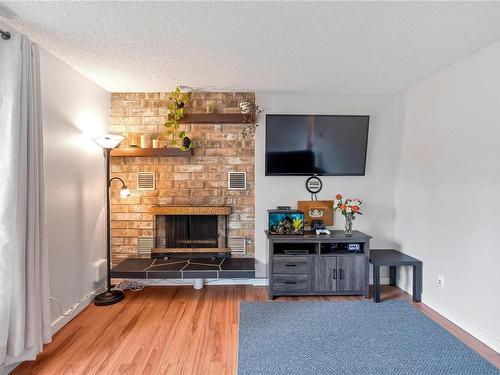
(188, 268)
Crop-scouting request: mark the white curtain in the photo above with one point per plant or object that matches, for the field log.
(24, 283)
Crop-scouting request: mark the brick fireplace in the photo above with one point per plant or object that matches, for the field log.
(197, 180)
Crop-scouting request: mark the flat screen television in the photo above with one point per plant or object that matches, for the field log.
(327, 145)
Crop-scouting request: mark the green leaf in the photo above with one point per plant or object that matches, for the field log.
(182, 134)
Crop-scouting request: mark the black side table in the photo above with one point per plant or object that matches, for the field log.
(393, 259)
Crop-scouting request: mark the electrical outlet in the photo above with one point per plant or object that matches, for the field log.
(441, 280)
(99, 270)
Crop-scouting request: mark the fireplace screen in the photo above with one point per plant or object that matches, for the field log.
(189, 231)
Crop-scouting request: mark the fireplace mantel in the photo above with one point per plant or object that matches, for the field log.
(191, 210)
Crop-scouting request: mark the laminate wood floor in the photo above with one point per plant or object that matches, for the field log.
(174, 330)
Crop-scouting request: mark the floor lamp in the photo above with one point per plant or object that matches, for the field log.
(110, 296)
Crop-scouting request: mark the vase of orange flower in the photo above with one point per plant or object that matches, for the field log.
(349, 208)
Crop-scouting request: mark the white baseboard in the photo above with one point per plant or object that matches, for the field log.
(465, 324)
(260, 282)
(456, 318)
(74, 311)
(405, 287)
(254, 282)
(383, 281)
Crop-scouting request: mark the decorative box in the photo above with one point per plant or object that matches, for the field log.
(286, 222)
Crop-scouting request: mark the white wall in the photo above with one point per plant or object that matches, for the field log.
(376, 189)
(74, 109)
(447, 191)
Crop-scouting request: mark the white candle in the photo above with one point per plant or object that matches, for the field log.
(156, 144)
(144, 141)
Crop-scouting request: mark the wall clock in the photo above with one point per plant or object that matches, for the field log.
(314, 186)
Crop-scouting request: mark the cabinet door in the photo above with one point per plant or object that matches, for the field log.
(351, 273)
(324, 275)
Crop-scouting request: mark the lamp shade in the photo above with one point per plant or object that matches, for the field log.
(109, 140)
(124, 192)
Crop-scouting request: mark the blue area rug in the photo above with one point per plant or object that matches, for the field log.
(392, 337)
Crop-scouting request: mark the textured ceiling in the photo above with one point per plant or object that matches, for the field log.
(320, 47)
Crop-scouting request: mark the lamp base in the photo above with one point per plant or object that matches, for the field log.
(109, 297)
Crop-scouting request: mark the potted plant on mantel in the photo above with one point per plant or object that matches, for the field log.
(176, 113)
(350, 208)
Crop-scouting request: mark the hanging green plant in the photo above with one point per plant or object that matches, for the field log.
(178, 137)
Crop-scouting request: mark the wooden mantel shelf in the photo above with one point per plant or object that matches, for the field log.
(133, 152)
(191, 210)
(213, 118)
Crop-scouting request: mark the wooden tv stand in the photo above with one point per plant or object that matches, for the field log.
(318, 264)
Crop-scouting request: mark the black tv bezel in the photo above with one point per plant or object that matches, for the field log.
(317, 174)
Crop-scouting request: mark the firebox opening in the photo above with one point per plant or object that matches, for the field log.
(187, 231)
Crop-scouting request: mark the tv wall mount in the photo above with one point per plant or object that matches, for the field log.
(314, 186)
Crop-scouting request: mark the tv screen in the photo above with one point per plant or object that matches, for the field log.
(328, 145)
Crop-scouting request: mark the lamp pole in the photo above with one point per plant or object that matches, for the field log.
(107, 152)
(110, 296)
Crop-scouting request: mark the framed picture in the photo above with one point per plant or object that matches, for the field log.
(317, 210)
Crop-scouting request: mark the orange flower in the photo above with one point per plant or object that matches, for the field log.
(343, 207)
(355, 208)
(338, 197)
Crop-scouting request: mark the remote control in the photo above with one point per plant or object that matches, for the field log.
(322, 231)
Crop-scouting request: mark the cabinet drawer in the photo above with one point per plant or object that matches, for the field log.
(290, 283)
(290, 265)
